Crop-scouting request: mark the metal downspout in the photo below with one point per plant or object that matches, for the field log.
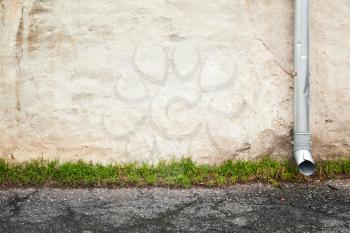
(302, 139)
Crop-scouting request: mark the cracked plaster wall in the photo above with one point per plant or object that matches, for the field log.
(117, 81)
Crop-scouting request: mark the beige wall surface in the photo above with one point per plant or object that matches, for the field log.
(149, 80)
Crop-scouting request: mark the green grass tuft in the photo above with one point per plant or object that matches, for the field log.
(182, 173)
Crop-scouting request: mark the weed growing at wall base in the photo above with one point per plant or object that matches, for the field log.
(182, 173)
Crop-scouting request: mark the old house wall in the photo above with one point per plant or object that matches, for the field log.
(148, 80)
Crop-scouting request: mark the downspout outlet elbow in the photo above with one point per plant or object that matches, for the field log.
(305, 162)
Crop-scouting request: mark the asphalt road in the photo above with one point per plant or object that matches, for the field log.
(322, 207)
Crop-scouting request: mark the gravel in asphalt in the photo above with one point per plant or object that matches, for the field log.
(317, 207)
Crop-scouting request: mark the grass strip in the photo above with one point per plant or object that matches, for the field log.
(181, 173)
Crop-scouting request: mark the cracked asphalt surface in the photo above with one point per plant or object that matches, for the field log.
(317, 207)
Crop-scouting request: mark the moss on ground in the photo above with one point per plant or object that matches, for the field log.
(182, 173)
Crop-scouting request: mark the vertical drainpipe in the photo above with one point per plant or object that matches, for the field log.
(302, 139)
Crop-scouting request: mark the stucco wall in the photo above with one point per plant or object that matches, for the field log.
(149, 80)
